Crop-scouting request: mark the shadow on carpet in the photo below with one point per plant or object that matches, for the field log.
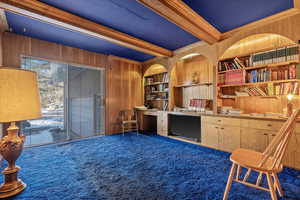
(135, 168)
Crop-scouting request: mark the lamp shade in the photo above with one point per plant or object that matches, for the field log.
(19, 95)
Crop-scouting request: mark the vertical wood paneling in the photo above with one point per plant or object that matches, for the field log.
(123, 77)
(125, 91)
(16, 46)
(44, 49)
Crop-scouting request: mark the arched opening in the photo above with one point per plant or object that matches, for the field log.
(191, 84)
(256, 74)
(156, 87)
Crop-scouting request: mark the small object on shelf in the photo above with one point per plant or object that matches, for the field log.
(289, 105)
(195, 78)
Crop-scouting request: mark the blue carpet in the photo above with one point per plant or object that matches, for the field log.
(134, 167)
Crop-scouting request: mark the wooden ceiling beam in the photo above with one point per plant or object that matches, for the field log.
(273, 18)
(43, 12)
(177, 12)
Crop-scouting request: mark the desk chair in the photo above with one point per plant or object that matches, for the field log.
(268, 163)
(129, 121)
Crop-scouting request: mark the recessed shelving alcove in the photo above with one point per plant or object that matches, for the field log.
(257, 73)
(191, 82)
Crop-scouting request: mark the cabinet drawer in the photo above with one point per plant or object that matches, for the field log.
(262, 124)
(221, 120)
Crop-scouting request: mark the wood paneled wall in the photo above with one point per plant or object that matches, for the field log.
(198, 64)
(123, 77)
(124, 85)
(16, 46)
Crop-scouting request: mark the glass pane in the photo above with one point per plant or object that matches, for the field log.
(85, 97)
(51, 127)
(72, 103)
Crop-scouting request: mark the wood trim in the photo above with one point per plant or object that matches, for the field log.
(188, 47)
(182, 15)
(262, 22)
(110, 58)
(43, 12)
(3, 21)
(297, 4)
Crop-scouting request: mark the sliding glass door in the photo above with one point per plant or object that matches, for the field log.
(85, 102)
(72, 102)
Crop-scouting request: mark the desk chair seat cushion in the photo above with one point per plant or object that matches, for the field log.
(252, 159)
(129, 122)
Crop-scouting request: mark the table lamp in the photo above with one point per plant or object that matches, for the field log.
(19, 100)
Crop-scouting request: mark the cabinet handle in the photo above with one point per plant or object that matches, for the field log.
(273, 134)
(216, 127)
(219, 120)
(265, 133)
(269, 125)
(222, 128)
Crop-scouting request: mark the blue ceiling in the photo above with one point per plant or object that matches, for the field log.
(131, 17)
(52, 33)
(229, 14)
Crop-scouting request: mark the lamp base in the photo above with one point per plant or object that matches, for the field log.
(12, 185)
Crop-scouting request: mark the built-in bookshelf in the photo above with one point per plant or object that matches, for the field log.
(156, 90)
(267, 73)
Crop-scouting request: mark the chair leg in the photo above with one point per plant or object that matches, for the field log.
(277, 185)
(271, 187)
(229, 181)
(137, 129)
(123, 129)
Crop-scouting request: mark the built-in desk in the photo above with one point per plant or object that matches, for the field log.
(147, 120)
(224, 132)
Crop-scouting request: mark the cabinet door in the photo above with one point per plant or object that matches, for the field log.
(254, 139)
(162, 123)
(292, 155)
(210, 135)
(159, 122)
(230, 138)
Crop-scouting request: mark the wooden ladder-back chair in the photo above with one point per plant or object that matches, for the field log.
(268, 163)
(129, 121)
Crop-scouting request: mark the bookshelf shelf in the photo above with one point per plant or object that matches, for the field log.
(156, 89)
(259, 83)
(161, 73)
(156, 83)
(191, 85)
(158, 92)
(157, 100)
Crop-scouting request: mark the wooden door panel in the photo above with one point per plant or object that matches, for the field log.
(230, 138)
(254, 139)
(210, 135)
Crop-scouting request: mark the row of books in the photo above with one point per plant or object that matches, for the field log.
(236, 63)
(288, 72)
(157, 78)
(283, 88)
(157, 88)
(271, 90)
(157, 96)
(275, 56)
(290, 53)
(234, 77)
(284, 73)
(165, 105)
(198, 104)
